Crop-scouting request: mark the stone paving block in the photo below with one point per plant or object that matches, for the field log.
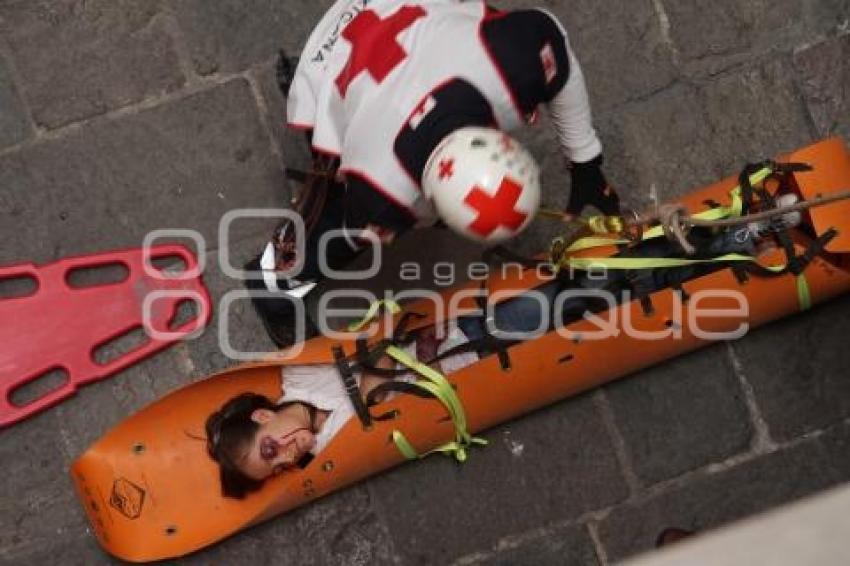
(37, 503)
(710, 36)
(550, 466)
(340, 529)
(824, 78)
(742, 110)
(24, 227)
(798, 369)
(246, 332)
(14, 124)
(838, 13)
(82, 551)
(562, 546)
(661, 141)
(623, 54)
(82, 58)
(837, 444)
(681, 415)
(230, 35)
(38, 522)
(706, 29)
(32, 456)
(715, 499)
(181, 165)
(292, 142)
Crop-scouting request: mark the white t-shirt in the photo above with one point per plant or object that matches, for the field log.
(320, 385)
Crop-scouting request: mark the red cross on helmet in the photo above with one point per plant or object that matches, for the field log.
(484, 184)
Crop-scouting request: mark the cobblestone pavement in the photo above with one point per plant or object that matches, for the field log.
(121, 116)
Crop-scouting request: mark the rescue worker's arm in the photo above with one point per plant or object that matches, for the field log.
(570, 112)
(371, 208)
(532, 50)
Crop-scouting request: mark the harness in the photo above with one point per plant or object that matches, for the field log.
(747, 196)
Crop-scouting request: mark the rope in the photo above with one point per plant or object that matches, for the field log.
(675, 221)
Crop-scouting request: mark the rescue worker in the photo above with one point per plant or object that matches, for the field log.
(406, 106)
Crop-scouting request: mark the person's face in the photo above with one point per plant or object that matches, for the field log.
(280, 442)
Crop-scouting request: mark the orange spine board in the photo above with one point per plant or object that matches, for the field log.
(151, 492)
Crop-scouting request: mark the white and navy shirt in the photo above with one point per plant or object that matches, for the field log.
(381, 82)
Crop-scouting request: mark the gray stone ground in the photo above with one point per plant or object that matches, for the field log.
(122, 116)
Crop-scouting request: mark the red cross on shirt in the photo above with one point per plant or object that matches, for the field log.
(374, 47)
(422, 109)
(497, 210)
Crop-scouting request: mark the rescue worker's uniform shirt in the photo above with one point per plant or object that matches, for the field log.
(381, 82)
(320, 385)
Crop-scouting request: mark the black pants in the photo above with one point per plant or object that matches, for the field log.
(352, 208)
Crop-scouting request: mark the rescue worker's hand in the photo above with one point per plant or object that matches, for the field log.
(589, 187)
(285, 71)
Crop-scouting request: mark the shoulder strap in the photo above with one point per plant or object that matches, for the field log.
(351, 386)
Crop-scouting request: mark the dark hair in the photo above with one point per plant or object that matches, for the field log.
(229, 431)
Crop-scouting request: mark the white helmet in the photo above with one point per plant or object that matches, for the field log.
(483, 183)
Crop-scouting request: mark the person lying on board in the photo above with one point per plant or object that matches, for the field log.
(252, 437)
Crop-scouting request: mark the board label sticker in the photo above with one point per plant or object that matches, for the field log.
(127, 498)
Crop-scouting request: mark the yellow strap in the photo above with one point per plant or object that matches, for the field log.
(449, 448)
(803, 293)
(734, 210)
(436, 384)
(372, 313)
(559, 249)
(404, 446)
(594, 242)
(587, 263)
(605, 224)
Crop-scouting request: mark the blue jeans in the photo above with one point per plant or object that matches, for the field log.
(525, 313)
(531, 312)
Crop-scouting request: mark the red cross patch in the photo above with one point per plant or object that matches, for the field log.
(446, 168)
(374, 45)
(497, 210)
(422, 109)
(550, 66)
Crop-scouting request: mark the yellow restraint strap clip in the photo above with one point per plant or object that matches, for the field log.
(559, 249)
(370, 315)
(602, 224)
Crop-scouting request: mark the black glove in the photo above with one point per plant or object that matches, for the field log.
(285, 72)
(589, 187)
